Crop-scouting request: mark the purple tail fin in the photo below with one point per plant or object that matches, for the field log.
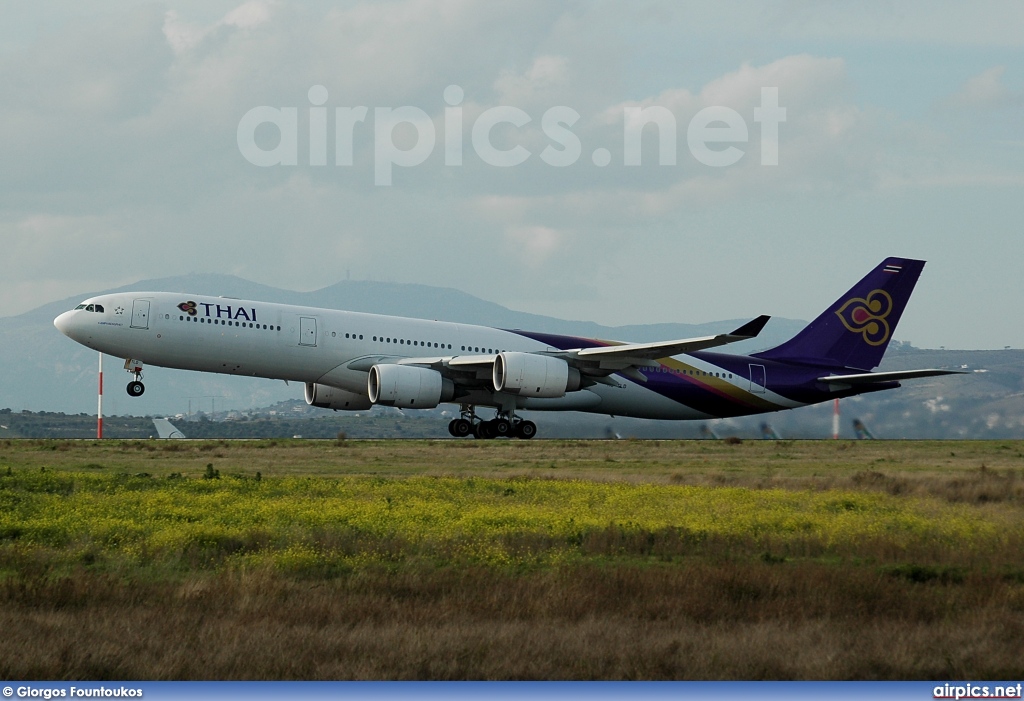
(855, 331)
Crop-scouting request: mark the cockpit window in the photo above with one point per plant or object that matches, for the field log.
(99, 308)
(90, 308)
(80, 306)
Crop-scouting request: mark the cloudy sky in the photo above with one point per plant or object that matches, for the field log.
(904, 135)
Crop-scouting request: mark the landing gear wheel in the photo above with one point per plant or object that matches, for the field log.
(136, 388)
(451, 427)
(526, 430)
(460, 428)
(483, 430)
(501, 427)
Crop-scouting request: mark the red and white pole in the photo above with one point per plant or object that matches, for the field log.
(835, 420)
(99, 409)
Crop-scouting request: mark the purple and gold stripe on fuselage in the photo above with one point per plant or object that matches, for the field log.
(694, 385)
(717, 391)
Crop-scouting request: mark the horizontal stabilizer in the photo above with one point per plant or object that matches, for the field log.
(868, 378)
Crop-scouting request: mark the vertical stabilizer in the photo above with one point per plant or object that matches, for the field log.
(855, 331)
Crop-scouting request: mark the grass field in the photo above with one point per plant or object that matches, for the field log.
(511, 560)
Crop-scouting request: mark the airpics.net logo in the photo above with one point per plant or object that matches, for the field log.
(714, 135)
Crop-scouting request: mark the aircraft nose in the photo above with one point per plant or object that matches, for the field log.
(63, 323)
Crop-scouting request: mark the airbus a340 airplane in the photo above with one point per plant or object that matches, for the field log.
(350, 360)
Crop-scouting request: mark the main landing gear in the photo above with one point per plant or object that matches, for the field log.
(135, 387)
(504, 424)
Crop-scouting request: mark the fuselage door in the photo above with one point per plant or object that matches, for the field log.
(757, 379)
(140, 314)
(307, 331)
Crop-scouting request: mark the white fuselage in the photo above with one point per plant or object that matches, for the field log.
(314, 345)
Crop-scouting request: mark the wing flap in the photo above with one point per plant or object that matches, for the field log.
(487, 359)
(430, 361)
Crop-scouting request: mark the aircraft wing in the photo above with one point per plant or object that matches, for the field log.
(596, 362)
(868, 378)
(641, 353)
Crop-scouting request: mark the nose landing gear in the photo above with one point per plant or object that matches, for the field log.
(135, 387)
(504, 424)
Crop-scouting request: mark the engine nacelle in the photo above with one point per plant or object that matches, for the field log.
(531, 375)
(408, 387)
(333, 398)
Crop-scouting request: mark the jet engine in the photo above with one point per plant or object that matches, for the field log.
(408, 387)
(531, 375)
(333, 398)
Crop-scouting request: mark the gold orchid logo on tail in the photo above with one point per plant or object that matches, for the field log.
(867, 316)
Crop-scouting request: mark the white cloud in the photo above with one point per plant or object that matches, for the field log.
(533, 244)
(546, 78)
(985, 91)
(248, 15)
(181, 35)
(827, 142)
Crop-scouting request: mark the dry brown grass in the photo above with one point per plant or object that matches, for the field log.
(634, 460)
(702, 621)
